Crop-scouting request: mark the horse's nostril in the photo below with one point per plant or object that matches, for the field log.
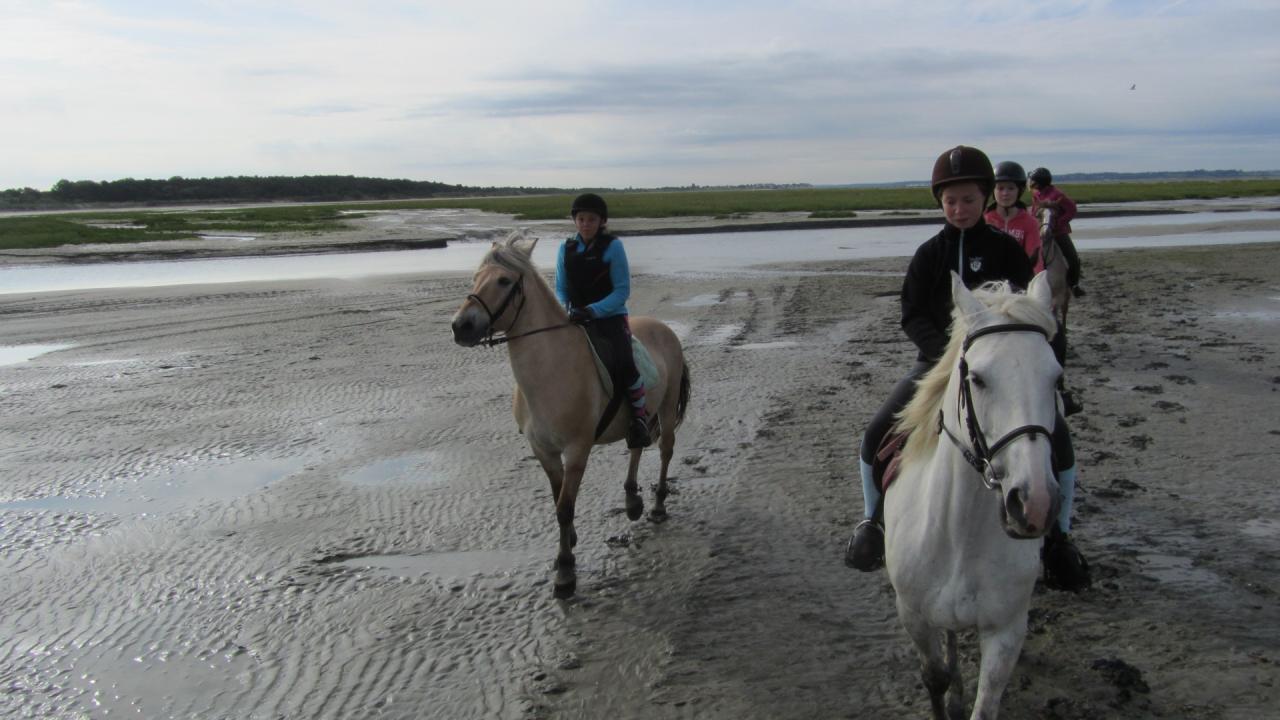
(1014, 506)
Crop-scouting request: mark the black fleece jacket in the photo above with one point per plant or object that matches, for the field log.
(988, 254)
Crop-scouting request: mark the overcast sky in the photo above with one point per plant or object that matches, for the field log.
(643, 94)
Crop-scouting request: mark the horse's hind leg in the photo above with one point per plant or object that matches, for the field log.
(937, 668)
(635, 503)
(666, 450)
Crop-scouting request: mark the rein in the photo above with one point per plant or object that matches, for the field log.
(982, 453)
(516, 289)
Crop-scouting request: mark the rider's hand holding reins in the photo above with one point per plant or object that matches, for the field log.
(581, 316)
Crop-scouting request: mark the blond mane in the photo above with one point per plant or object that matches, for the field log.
(920, 416)
(515, 253)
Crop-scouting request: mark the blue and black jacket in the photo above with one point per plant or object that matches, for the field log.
(594, 276)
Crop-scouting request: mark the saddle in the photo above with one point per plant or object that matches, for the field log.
(607, 370)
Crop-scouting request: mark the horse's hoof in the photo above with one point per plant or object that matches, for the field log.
(658, 515)
(566, 587)
(635, 507)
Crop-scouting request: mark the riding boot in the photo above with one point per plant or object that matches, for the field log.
(1073, 263)
(1070, 403)
(1064, 566)
(865, 550)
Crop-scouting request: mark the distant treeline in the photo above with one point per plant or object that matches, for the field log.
(176, 190)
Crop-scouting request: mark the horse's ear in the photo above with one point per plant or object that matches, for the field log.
(968, 305)
(1040, 291)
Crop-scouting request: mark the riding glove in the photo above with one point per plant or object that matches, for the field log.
(581, 316)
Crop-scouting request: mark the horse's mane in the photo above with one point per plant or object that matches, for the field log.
(920, 416)
(515, 253)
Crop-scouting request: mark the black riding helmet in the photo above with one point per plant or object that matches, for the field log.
(1042, 177)
(1010, 171)
(589, 202)
(962, 163)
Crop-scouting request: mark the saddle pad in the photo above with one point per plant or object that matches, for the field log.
(888, 459)
(644, 364)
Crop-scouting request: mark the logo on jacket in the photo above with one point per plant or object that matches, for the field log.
(975, 264)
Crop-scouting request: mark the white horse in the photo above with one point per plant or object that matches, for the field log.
(559, 399)
(964, 518)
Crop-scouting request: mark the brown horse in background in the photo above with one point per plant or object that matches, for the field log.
(1056, 266)
(559, 397)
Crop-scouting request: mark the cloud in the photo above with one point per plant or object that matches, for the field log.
(574, 93)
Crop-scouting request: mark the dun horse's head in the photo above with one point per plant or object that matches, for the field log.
(1007, 401)
(497, 292)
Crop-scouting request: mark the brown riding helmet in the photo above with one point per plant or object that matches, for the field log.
(962, 163)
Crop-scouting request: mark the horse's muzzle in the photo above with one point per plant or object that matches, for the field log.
(467, 332)
(1023, 521)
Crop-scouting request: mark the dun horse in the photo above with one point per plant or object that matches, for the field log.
(559, 398)
(976, 490)
(1055, 264)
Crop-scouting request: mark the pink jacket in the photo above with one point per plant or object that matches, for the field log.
(1024, 228)
(1062, 214)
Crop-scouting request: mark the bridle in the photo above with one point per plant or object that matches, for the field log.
(516, 289)
(983, 453)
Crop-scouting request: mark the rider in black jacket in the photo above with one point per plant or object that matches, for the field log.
(962, 183)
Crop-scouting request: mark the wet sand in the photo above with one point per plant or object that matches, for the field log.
(302, 500)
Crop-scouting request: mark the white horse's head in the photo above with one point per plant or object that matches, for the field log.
(1002, 396)
(498, 290)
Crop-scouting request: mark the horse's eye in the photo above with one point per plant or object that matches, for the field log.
(504, 282)
(977, 381)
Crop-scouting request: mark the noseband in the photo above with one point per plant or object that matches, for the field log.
(516, 289)
(983, 453)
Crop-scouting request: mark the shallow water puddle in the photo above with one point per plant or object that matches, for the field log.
(711, 299)
(1177, 570)
(412, 468)
(722, 334)
(14, 354)
(445, 565)
(700, 301)
(173, 490)
(1262, 528)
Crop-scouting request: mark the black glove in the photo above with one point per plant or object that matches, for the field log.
(581, 316)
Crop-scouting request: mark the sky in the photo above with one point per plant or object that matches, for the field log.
(630, 94)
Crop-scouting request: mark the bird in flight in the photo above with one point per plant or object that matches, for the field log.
(1133, 86)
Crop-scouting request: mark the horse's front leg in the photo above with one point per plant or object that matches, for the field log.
(935, 665)
(1000, 650)
(575, 464)
(553, 466)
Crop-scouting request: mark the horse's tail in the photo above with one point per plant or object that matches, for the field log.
(683, 402)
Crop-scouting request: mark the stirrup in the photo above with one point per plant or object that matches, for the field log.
(870, 556)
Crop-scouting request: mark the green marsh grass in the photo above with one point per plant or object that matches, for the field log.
(51, 230)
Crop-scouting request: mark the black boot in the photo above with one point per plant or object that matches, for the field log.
(1070, 405)
(638, 433)
(1064, 567)
(866, 548)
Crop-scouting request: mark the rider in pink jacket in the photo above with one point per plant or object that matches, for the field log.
(1045, 195)
(1010, 214)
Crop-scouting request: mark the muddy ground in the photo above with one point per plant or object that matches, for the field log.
(302, 500)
